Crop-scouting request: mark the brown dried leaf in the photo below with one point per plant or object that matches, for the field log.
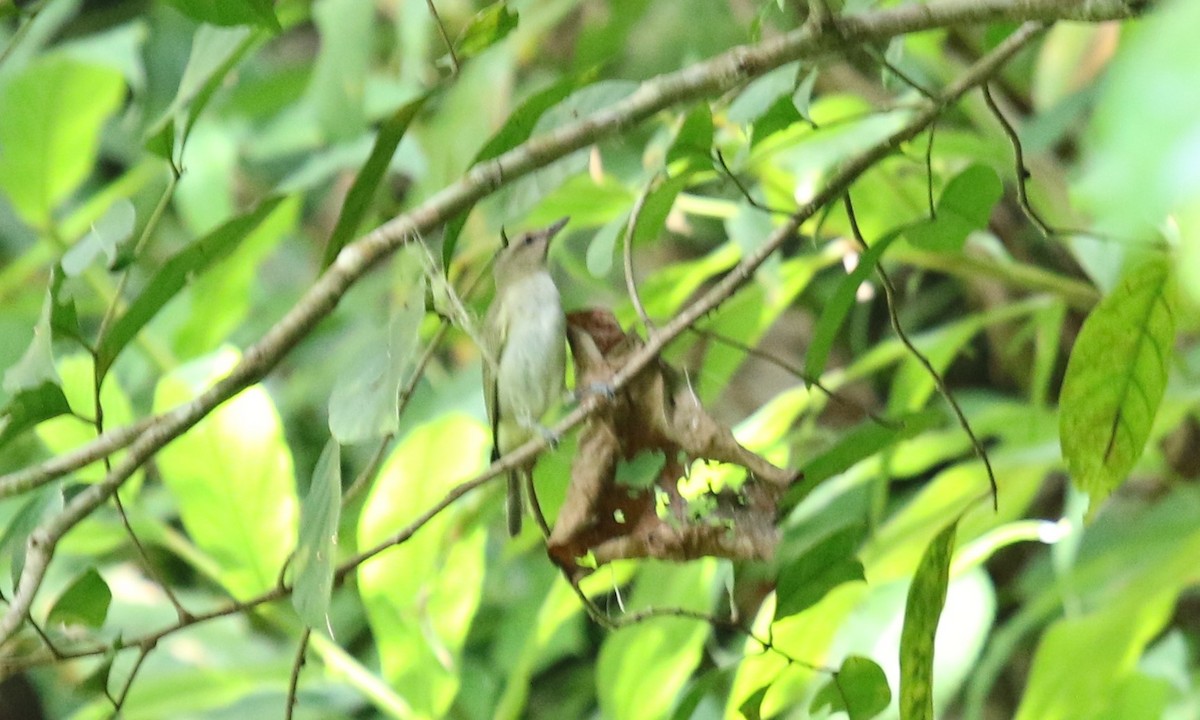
(654, 413)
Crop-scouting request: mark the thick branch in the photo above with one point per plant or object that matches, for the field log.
(721, 73)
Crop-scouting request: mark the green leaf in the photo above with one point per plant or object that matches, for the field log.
(515, 131)
(751, 707)
(1141, 147)
(823, 567)
(420, 596)
(231, 476)
(587, 201)
(312, 567)
(29, 407)
(859, 689)
(488, 27)
(337, 88)
(84, 602)
(603, 247)
(359, 197)
(1115, 379)
(173, 276)
(51, 116)
(112, 229)
(643, 667)
(69, 432)
(802, 97)
(858, 444)
(838, 306)
(780, 116)
(219, 300)
(1080, 661)
(96, 682)
(44, 502)
(694, 140)
(923, 609)
(964, 207)
(215, 52)
(33, 383)
(364, 402)
(224, 12)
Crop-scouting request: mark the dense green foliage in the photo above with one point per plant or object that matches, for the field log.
(175, 177)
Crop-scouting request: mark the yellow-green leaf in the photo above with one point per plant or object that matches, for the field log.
(1115, 379)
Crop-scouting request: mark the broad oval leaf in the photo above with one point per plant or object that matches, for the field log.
(922, 611)
(51, 116)
(421, 594)
(964, 207)
(642, 668)
(84, 602)
(859, 689)
(231, 475)
(829, 563)
(1115, 379)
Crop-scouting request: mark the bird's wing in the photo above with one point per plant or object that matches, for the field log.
(494, 327)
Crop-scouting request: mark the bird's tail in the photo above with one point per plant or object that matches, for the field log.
(515, 511)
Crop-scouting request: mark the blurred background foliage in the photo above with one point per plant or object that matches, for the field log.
(174, 174)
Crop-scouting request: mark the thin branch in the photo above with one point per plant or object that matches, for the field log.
(722, 72)
(294, 678)
(119, 702)
(797, 371)
(745, 193)
(437, 19)
(889, 291)
(630, 281)
(22, 481)
(1019, 159)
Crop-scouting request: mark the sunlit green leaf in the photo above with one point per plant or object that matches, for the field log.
(223, 12)
(641, 668)
(859, 689)
(1115, 379)
(84, 602)
(488, 27)
(231, 475)
(312, 568)
(926, 597)
(862, 442)
(68, 432)
(964, 207)
(421, 595)
(829, 563)
(51, 116)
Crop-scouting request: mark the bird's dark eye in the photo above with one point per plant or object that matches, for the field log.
(528, 239)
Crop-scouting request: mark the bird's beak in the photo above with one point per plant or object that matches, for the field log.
(551, 231)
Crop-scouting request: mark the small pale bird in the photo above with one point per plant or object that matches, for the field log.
(524, 335)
